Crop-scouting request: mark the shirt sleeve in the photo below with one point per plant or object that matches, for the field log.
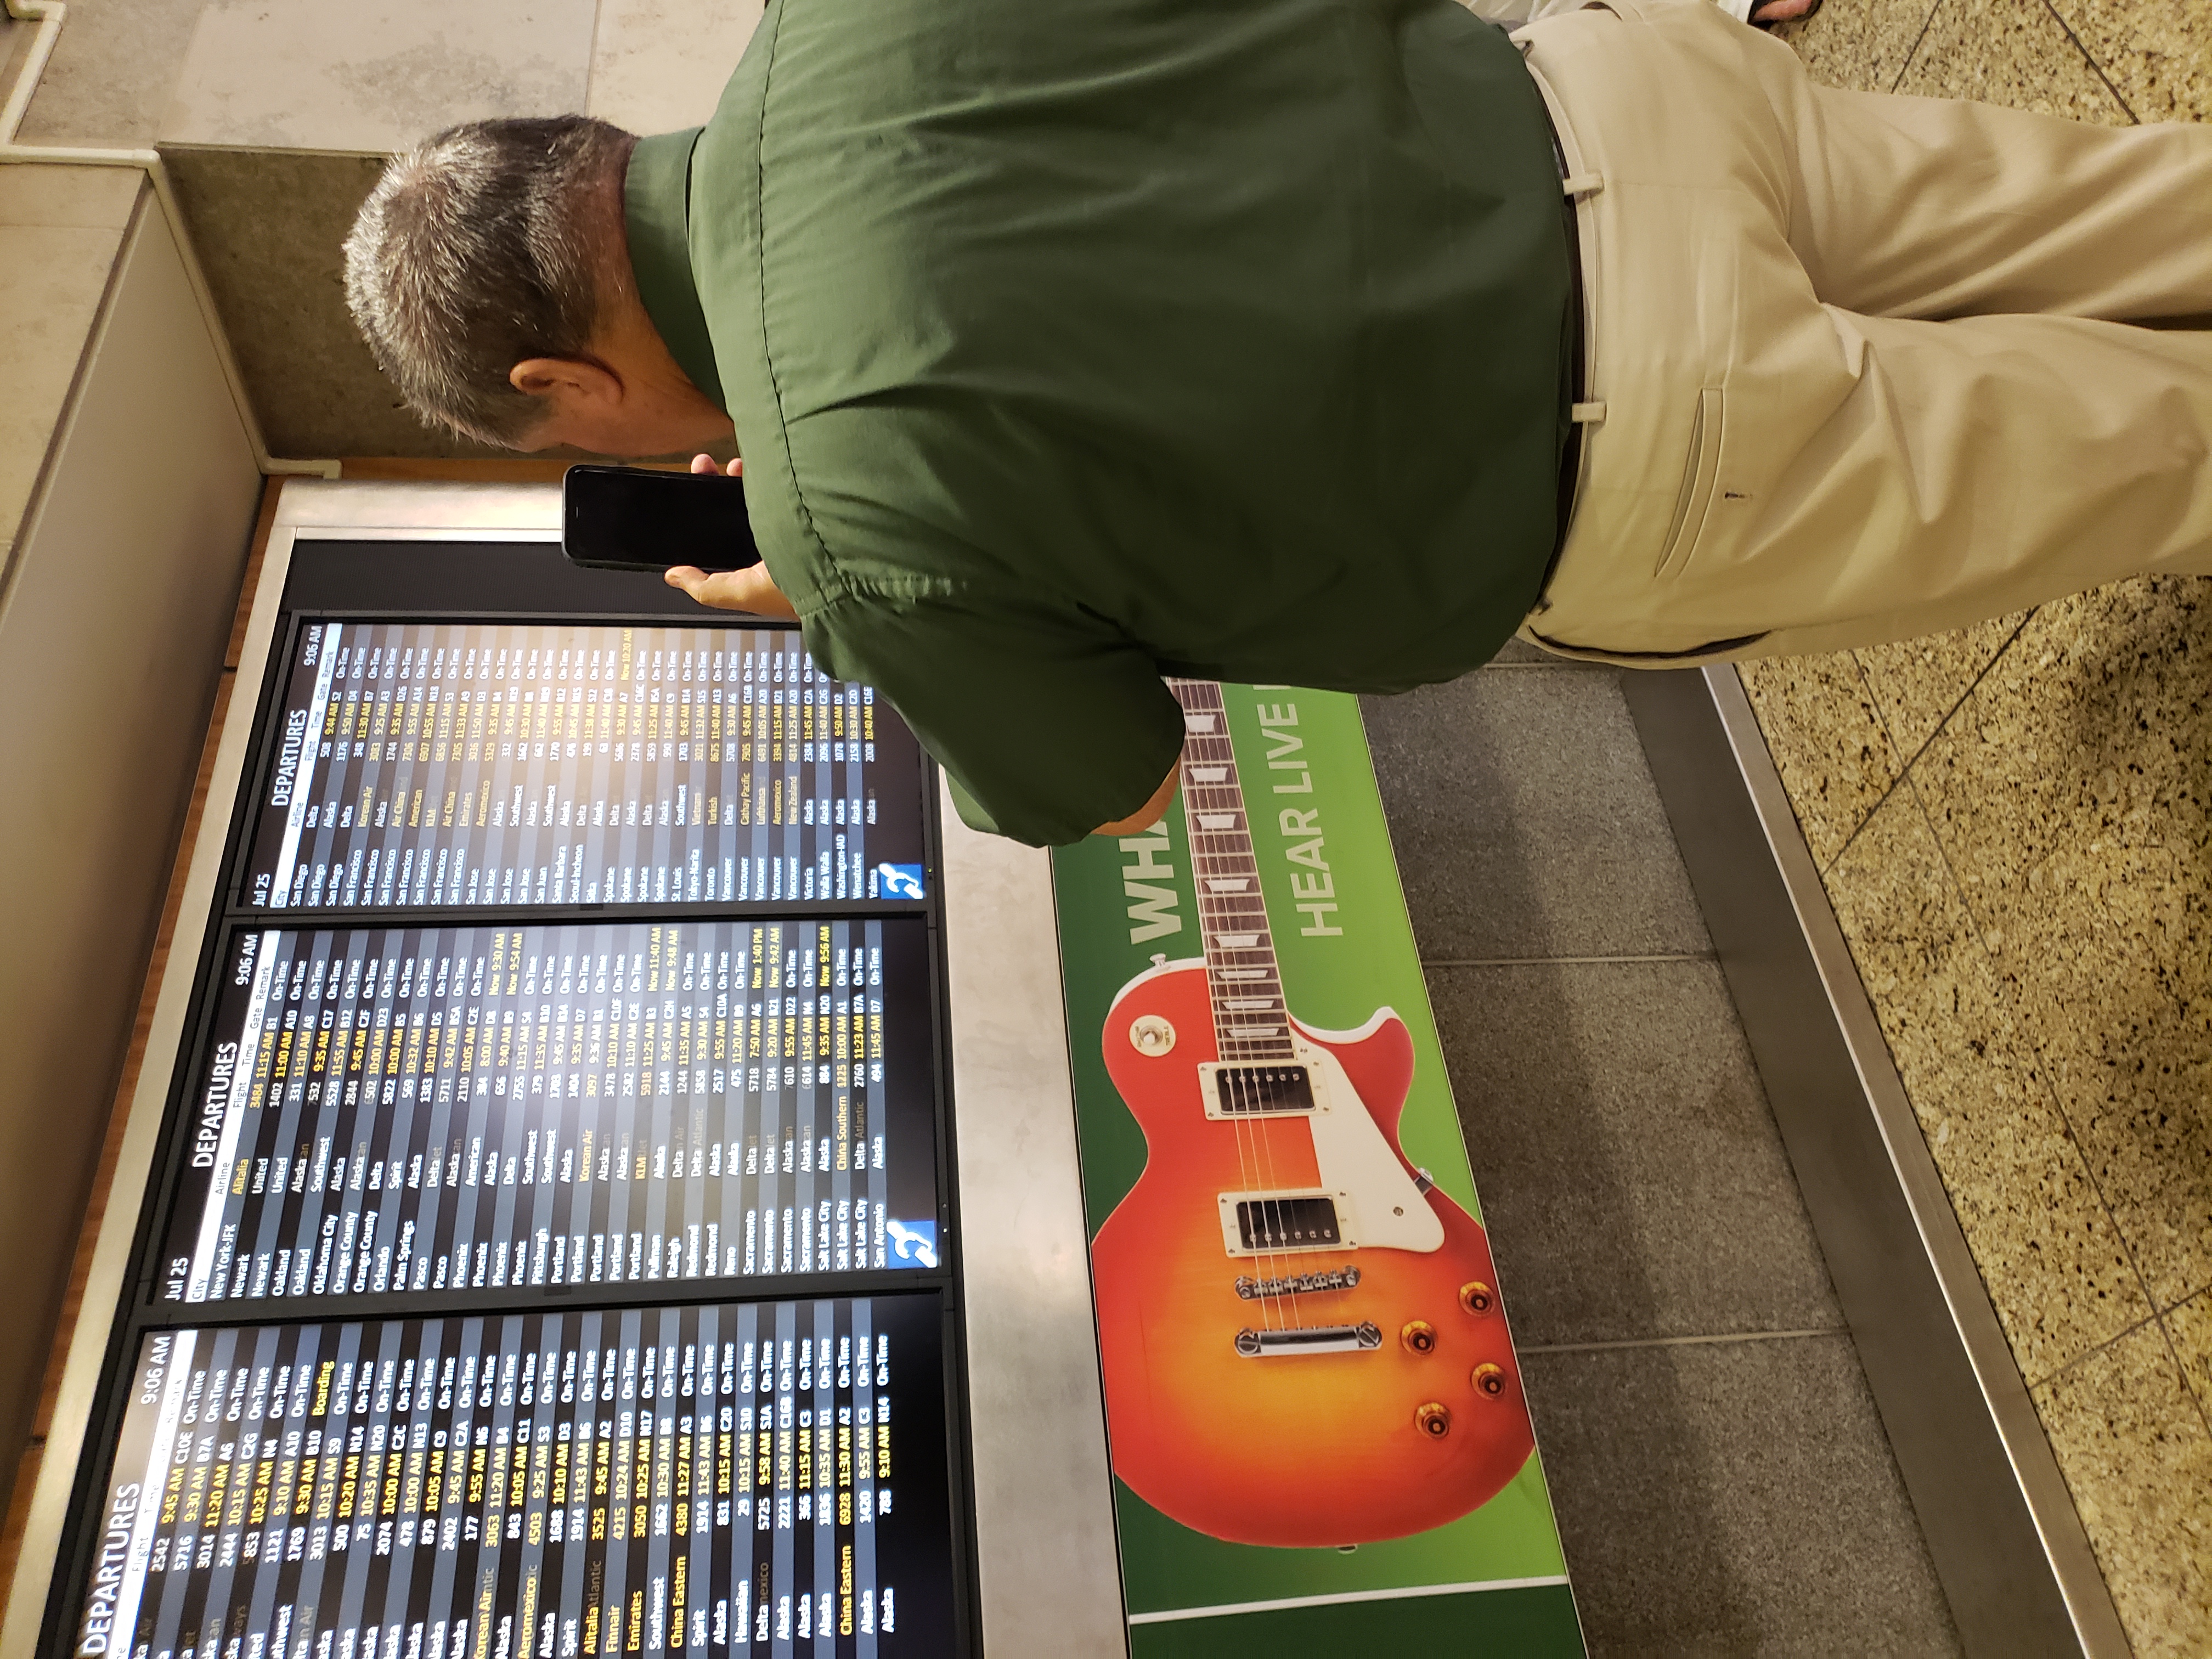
(1046, 726)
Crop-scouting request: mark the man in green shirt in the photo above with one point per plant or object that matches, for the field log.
(1069, 349)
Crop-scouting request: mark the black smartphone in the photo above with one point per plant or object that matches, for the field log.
(626, 518)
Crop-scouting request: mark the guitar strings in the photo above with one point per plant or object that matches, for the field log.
(1245, 1098)
(1186, 693)
(1268, 1123)
(1195, 746)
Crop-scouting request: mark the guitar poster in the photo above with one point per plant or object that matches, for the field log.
(1319, 1439)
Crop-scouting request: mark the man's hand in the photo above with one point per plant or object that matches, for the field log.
(751, 589)
(1151, 813)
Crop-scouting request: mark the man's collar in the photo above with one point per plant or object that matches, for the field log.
(656, 204)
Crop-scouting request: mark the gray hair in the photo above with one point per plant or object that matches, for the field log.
(480, 248)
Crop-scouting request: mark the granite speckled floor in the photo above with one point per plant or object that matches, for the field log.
(2015, 824)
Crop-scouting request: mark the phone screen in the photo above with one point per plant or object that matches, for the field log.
(619, 518)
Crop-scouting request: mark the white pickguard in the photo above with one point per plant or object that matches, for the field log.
(1378, 1205)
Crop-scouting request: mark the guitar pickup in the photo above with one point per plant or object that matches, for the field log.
(1319, 1339)
(1236, 1092)
(1281, 1223)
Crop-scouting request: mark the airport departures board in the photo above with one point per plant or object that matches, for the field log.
(552, 1250)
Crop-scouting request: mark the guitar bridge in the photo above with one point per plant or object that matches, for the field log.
(1319, 1339)
(1333, 1278)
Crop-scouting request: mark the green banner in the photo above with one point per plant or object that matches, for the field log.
(1319, 1439)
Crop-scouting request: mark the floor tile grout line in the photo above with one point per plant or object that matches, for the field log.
(1563, 962)
(2089, 1353)
(1717, 1339)
(1905, 765)
(2048, 1073)
(2181, 1369)
(1888, 789)
(2155, 1317)
(1972, 686)
(2090, 58)
(1851, 840)
(1991, 960)
(2189, 1383)
(1905, 67)
(2202, 1293)
(1951, 872)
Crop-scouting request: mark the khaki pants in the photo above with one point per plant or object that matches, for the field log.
(1863, 361)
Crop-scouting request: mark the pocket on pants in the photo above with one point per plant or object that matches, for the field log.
(1711, 651)
(1701, 469)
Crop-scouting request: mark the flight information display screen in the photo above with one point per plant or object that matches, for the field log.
(767, 1478)
(445, 1108)
(463, 764)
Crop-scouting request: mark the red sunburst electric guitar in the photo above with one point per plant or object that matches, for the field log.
(1301, 1337)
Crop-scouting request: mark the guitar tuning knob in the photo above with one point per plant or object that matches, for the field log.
(1152, 1036)
(1418, 1336)
(1477, 1297)
(1489, 1379)
(1433, 1420)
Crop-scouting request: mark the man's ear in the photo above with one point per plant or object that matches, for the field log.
(567, 381)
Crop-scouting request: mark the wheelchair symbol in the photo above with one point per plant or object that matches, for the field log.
(902, 881)
(912, 1242)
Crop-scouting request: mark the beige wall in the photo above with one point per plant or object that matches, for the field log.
(280, 116)
(377, 75)
(119, 591)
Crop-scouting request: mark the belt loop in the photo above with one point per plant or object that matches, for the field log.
(1582, 414)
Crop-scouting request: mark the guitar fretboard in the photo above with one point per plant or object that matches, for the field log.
(1249, 1020)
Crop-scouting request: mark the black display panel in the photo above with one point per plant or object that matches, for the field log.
(438, 1110)
(701, 1480)
(469, 764)
(465, 756)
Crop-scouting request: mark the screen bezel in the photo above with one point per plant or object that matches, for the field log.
(920, 1109)
(920, 1387)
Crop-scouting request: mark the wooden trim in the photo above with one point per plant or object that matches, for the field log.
(271, 489)
(408, 470)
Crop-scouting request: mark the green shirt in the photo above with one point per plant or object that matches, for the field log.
(1070, 345)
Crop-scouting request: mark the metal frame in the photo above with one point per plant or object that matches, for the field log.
(2002, 1527)
(1041, 1482)
(1047, 1563)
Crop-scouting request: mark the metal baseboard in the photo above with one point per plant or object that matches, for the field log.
(2000, 1524)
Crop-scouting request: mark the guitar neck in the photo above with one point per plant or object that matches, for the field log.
(1249, 1021)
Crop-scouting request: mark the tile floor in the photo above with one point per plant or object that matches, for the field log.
(2015, 828)
(1723, 1484)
